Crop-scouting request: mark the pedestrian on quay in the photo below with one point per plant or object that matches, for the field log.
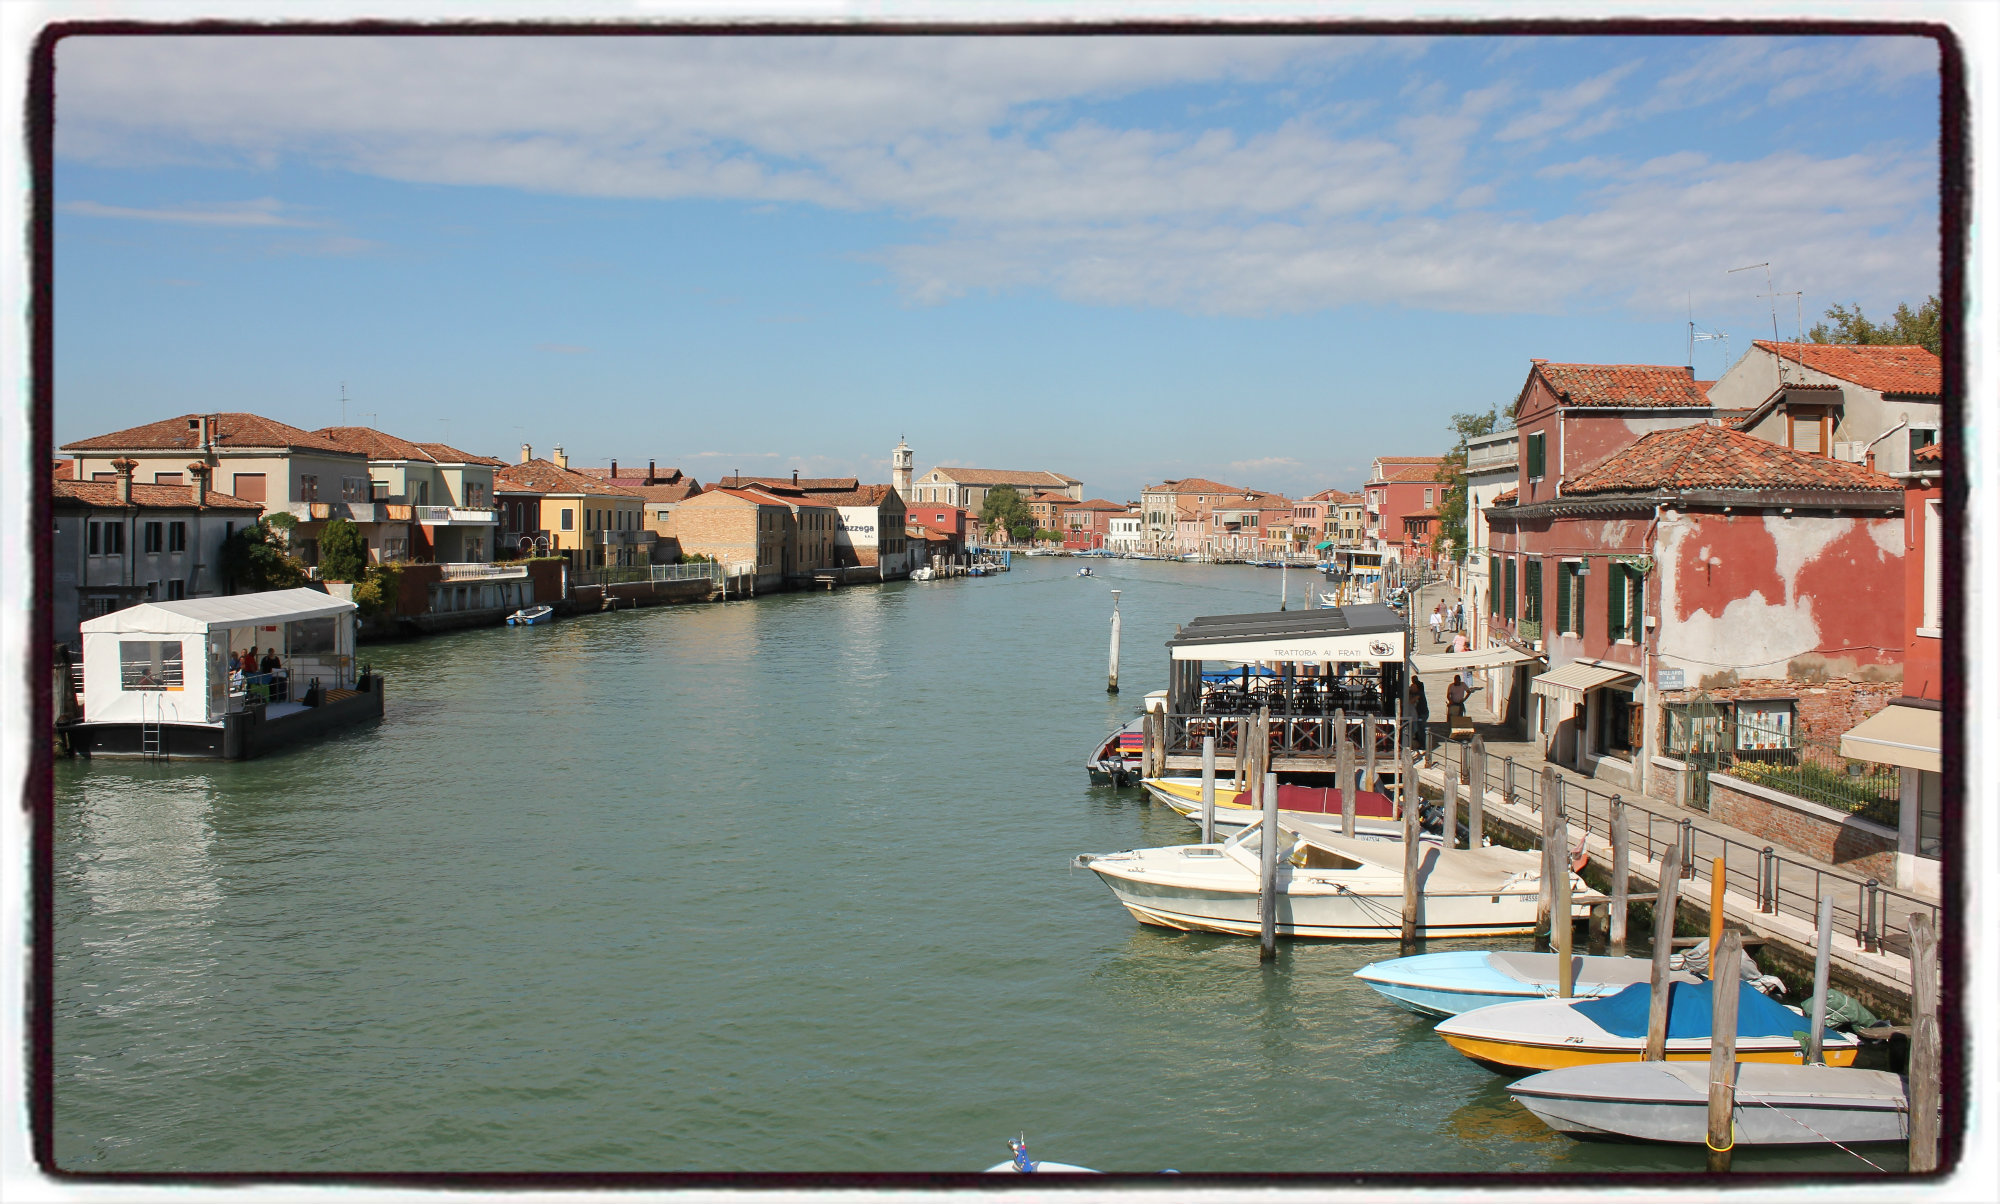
(1420, 704)
(1461, 642)
(1437, 624)
(1458, 616)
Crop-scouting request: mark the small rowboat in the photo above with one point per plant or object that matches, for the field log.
(1445, 984)
(1548, 1034)
(1115, 762)
(529, 616)
(1668, 1101)
(1374, 813)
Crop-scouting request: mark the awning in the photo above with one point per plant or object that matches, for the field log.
(1364, 633)
(210, 614)
(1478, 658)
(1571, 682)
(1910, 737)
(1322, 545)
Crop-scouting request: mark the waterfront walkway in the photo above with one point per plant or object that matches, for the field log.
(1769, 891)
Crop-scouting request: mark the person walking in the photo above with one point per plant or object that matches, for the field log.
(1458, 616)
(1437, 624)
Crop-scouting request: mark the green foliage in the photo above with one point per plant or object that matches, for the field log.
(1868, 796)
(1452, 508)
(254, 560)
(341, 554)
(282, 520)
(696, 558)
(1044, 535)
(1006, 510)
(378, 590)
(1923, 327)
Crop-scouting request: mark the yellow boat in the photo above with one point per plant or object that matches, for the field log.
(1549, 1034)
(1375, 813)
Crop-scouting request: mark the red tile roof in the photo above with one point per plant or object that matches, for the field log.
(1622, 385)
(1933, 454)
(225, 430)
(445, 453)
(1714, 457)
(1098, 503)
(1033, 478)
(1194, 485)
(63, 470)
(1509, 498)
(631, 474)
(679, 491)
(866, 495)
(149, 497)
(805, 484)
(543, 476)
(1415, 472)
(1886, 368)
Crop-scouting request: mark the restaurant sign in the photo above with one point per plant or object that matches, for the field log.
(1373, 648)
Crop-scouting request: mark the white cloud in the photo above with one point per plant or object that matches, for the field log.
(263, 212)
(1565, 106)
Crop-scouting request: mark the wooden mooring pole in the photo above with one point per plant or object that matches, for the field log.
(1926, 1048)
(1475, 807)
(1115, 626)
(1621, 872)
(1545, 899)
(1368, 751)
(1719, 881)
(1267, 899)
(1822, 970)
(1726, 964)
(1663, 946)
(1240, 779)
(1343, 771)
(1564, 928)
(1208, 790)
(1412, 846)
(1450, 806)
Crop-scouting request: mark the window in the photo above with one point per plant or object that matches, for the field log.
(176, 590)
(107, 539)
(1806, 431)
(96, 546)
(1689, 730)
(149, 664)
(169, 478)
(1922, 437)
(1537, 455)
(423, 493)
(1427, 497)
(1531, 590)
(1511, 575)
(1625, 601)
(177, 537)
(568, 519)
(1620, 729)
(355, 489)
(1764, 725)
(1933, 568)
(1569, 598)
(156, 537)
(1493, 585)
(248, 485)
(662, 516)
(378, 490)
(308, 487)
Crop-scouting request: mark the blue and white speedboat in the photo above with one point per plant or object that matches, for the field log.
(1445, 984)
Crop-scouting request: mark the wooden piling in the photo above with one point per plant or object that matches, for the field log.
(1564, 928)
(1663, 945)
(1343, 771)
(1412, 847)
(1115, 626)
(1725, 962)
(1621, 872)
(1368, 751)
(1475, 807)
(1208, 790)
(1545, 898)
(1239, 780)
(1267, 899)
(1822, 969)
(1450, 808)
(1147, 768)
(1718, 883)
(1926, 1048)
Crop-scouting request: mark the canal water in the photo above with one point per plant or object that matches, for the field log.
(778, 885)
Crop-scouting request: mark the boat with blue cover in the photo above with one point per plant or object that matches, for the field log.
(1547, 1034)
(1445, 984)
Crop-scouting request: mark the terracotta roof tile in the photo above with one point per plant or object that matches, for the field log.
(1193, 485)
(1098, 503)
(1416, 472)
(1886, 368)
(445, 453)
(1623, 385)
(1714, 457)
(679, 491)
(1508, 498)
(1034, 478)
(63, 470)
(1933, 454)
(543, 476)
(226, 430)
(806, 484)
(149, 497)
(866, 495)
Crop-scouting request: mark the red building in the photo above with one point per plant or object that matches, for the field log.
(1572, 417)
(1399, 487)
(943, 525)
(1087, 525)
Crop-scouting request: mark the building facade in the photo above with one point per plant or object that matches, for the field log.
(547, 509)
(447, 494)
(966, 488)
(1869, 404)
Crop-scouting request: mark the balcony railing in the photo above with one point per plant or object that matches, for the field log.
(470, 571)
(1528, 630)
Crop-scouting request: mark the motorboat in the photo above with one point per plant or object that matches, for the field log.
(1668, 1102)
(531, 615)
(1115, 762)
(1374, 812)
(1329, 886)
(1021, 1164)
(924, 573)
(1445, 984)
(1085, 572)
(1548, 1034)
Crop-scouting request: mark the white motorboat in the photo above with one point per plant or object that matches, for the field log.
(1668, 1101)
(1330, 886)
(925, 573)
(1021, 1164)
(1374, 813)
(1445, 984)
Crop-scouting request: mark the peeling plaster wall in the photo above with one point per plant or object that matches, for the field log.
(1807, 597)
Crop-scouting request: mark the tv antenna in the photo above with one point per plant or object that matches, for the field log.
(1772, 293)
(1697, 335)
(343, 403)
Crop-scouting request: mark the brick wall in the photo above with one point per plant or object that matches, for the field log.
(1845, 842)
(1826, 707)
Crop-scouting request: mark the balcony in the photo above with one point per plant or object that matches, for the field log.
(480, 571)
(453, 516)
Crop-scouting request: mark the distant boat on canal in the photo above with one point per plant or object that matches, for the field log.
(1329, 886)
(530, 616)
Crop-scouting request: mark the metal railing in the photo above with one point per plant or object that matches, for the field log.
(479, 570)
(1876, 916)
(1773, 754)
(1291, 735)
(634, 574)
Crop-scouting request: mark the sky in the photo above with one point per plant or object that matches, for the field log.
(1263, 259)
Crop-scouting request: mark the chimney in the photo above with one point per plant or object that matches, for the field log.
(198, 482)
(124, 469)
(614, 469)
(652, 470)
(1869, 459)
(562, 457)
(527, 453)
(795, 477)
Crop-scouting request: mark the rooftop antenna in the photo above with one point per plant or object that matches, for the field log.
(1772, 293)
(343, 403)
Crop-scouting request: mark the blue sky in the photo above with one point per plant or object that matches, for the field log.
(1256, 258)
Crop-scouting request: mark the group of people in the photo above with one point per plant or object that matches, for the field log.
(248, 664)
(1450, 618)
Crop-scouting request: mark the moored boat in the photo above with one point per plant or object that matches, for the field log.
(1021, 1164)
(1328, 886)
(1547, 1034)
(1374, 813)
(1115, 761)
(1668, 1102)
(1445, 984)
(530, 615)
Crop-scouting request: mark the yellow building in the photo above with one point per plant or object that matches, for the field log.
(547, 509)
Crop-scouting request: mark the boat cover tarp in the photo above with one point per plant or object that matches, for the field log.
(1691, 1012)
(1325, 800)
(1537, 968)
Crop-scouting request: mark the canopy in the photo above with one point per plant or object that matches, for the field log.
(202, 615)
(1478, 658)
(1910, 737)
(1571, 682)
(1323, 545)
(1367, 633)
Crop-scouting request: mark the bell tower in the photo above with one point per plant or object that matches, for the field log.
(902, 460)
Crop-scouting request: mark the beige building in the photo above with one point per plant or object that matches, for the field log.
(448, 493)
(967, 488)
(546, 509)
(1866, 404)
(747, 531)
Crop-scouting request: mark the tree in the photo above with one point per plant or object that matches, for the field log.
(341, 554)
(1923, 327)
(1452, 508)
(1004, 510)
(254, 560)
(378, 590)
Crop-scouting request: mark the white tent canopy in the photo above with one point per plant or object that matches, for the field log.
(1478, 658)
(203, 615)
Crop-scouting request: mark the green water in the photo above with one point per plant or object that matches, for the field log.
(769, 886)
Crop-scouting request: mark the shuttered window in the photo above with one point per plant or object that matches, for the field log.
(1564, 572)
(1493, 603)
(1510, 590)
(1615, 595)
(1933, 566)
(1569, 597)
(1531, 603)
(1537, 456)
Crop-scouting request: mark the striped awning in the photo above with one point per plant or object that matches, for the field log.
(1571, 682)
(1909, 737)
(1478, 658)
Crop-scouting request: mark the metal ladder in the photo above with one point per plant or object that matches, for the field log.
(149, 731)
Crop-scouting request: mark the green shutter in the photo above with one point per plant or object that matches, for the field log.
(1531, 603)
(1580, 581)
(1564, 575)
(1510, 589)
(1614, 596)
(1493, 586)
(1536, 455)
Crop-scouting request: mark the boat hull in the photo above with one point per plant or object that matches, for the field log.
(1774, 1105)
(1446, 984)
(1523, 1057)
(1343, 915)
